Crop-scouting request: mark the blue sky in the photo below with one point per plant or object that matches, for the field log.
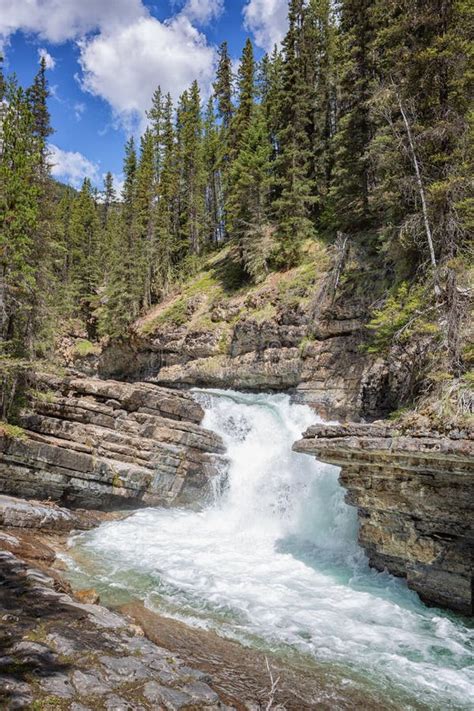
(105, 58)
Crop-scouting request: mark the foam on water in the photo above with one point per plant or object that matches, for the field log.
(274, 561)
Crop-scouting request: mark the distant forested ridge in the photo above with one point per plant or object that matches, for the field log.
(357, 131)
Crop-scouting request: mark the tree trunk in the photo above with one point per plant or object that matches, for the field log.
(421, 190)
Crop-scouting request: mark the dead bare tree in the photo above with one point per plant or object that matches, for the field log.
(382, 104)
(421, 189)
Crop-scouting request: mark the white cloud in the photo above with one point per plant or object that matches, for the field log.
(125, 65)
(50, 61)
(202, 11)
(60, 20)
(125, 52)
(79, 109)
(267, 20)
(72, 167)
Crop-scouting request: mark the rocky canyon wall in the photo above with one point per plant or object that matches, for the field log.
(414, 492)
(102, 443)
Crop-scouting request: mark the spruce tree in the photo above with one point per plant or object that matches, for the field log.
(294, 200)
(167, 214)
(246, 96)
(248, 206)
(119, 305)
(109, 197)
(155, 115)
(223, 86)
(143, 224)
(128, 214)
(85, 269)
(319, 34)
(352, 175)
(192, 172)
(19, 219)
(38, 96)
(225, 110)
(215, 228)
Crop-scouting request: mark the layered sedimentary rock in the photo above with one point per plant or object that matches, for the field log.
(96, 444)
(321, 358)
(414, 492)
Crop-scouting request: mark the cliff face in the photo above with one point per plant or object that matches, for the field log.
(98, 444)
(414, 493)
(270, 337)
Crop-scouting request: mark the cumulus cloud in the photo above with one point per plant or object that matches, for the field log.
(72, 167)
(50, 61)
(267, 20)
(125, 52)
(202, 11)
(60, 20)
(124, 65)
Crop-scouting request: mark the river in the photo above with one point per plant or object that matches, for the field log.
(273, 562)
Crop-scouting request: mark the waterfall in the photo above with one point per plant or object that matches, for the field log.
(274, 558)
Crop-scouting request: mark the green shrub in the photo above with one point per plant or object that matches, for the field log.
(404, 316)
(83, 348)
(12, 431)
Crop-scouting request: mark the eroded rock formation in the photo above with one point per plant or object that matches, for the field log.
(321, 359)
(414, 492)
(97, 444)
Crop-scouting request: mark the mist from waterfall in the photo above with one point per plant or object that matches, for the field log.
(273, 560)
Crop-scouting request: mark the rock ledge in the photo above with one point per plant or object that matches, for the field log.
(414, 492)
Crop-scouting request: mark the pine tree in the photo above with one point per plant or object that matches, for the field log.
(248, 206)
(294, 201)
(38, 97)
(246, 93)
(85, 268)
(19, 219)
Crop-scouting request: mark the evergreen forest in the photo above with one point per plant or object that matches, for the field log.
(356, 132)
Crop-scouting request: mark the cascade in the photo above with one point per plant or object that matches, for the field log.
(274, 557)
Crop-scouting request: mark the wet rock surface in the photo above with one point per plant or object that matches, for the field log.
(102, 444)
(414, 491)
(56, 652)
(59, 649)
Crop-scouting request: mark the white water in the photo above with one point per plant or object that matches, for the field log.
(274, 561)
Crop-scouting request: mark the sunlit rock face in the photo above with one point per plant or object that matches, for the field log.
(96, 444)
(415, 495)
(327, 369)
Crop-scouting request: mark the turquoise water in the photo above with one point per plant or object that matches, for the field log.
(273, 561)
